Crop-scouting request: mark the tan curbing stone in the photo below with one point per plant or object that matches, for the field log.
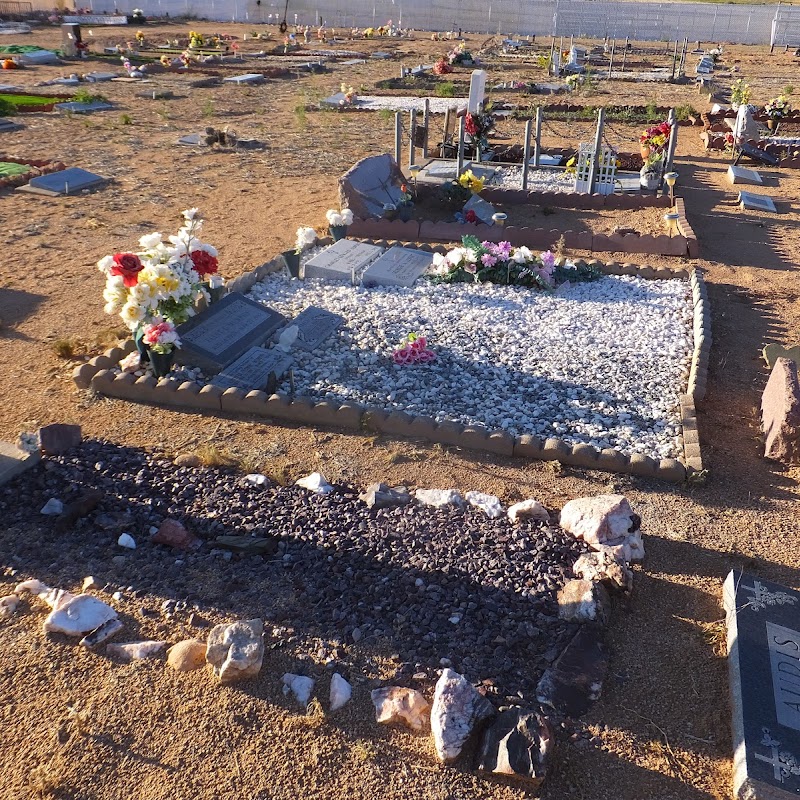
(613, 268)
(397, 423)
(528, 446)
(670, 469)
(324, 413)
(629, 269)
(613, 460)
(583, 455)
(501, 443)
(643, 465)
(102, 362)
(422, 427)
(690, 436)
(448, 433)
(647, 272)
(473, 438)
(210, 397)
(374, 419)
(82, 375)
(277, 405)
(692, 451)
(349, 415)
(299, 409)
(555, 450)
(664, 273)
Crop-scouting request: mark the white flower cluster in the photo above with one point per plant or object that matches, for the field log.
(338, 218)
(305, 238)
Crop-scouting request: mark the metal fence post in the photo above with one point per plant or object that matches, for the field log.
(598, 143)
(526, 155)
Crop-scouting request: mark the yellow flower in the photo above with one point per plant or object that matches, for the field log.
(476, 185)
(466, 178)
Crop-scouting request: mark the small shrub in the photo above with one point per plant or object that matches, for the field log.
(651, 109)
(126, 119)
(7, 108)
(386, 115)
(300, 116)
(85, 96)
(685, 111)
(64, 348)
(788, 90)
(208, 109)
(212, 456)
(446, 89)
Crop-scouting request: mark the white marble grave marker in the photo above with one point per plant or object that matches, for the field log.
(743, 175)
(342, 261)
(398, 266)
(756, 202)
(477, 90)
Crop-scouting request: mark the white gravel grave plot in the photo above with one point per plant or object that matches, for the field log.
(539, 180)
(437, 105)
(601, 362)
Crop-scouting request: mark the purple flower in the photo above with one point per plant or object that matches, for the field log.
(548, 262)
(488, 260)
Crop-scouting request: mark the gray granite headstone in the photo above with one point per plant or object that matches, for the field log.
(83, 108)
(757, 154)
(380, 54)
(253, 368)
(251, 77)
(342, 261)
(99, 77)
(483, 209)
(67, 181)
(39, 57)
(334, 101)
(763, 621)
(743, 175)
(314, 326)
(398, 266)
(193, 140)
(369, 184)
(8, 125)
(219, 335)
(756, 202)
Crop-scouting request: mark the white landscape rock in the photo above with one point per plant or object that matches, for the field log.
(439, 498)
(601, 566)
(300, 686)
(127, 541)
(316, 483)
(256, 479)
(488, 503)
(73, 615)
(584, 601)
(53, 507)
(528, 509)
(458, 708)
(134, 651)
(398, 704)
(341, 691)
(8, 605)
(606, 520)
(236, 649)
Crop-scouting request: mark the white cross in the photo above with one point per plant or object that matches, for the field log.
(775, 761)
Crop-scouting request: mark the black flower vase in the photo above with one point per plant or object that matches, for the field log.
(162, 362)
(338, 232)
(138, 340)
(406, 211)
(292, 260)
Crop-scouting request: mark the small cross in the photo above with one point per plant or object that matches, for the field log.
(775, 761)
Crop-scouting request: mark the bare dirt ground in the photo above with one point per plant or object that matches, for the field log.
(663, 720)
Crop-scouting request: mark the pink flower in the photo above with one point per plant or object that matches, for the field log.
(419, 343)
(470, 267)
(488, 260)
(548, 260)
(402, 356)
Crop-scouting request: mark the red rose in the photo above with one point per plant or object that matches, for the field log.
(470, 126)
(128, 266)
(204, 263)
(471, 217)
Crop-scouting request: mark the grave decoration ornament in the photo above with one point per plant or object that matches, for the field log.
(650, 173)
(163, 280)
(413, 350)
(490, 262)
(338, 222)
(655, 139)
(162, 339)
(740, 93)
(477, 128)
(776, 109)
(442, 67)
(405, 205)
(350, 95)
(305, 238)
(460, 55)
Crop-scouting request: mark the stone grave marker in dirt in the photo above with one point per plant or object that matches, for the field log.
(370, 184)
(757, 154)
(36, 57)
(67, 181)
(314, 326)
(483, 209)
(334, 101)
(743, 175)
(193, 140)
(218, 336)
(100, 77)
(477, 90)
(398, 266)
(8, 125)
(83, 108)
(252, 370)
(342, 261)
(756, 202)
(241, 80)
(13, 461)
(763, 621)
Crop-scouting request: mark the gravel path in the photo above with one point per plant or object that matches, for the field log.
(601, 362)
(425, 584)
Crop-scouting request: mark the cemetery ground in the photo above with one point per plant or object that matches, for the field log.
(76, 725)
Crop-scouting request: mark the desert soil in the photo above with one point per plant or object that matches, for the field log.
(662, 723)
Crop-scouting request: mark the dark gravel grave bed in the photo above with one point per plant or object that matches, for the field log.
(434, 587)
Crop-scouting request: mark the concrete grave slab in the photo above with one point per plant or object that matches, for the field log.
(240, 80)
(315, 325)
(763, 621)
(193, 140)
(369, 184)
(219, 335)
(334, 101)
(743, 175)
(100, 77)
(67, 181)
(14, 461)
(83, 108)
(7, 125)
(483, 210)
(381, 55)
(252, 370)
(7, 87)
(756, 202)
(353, 62)
(39, 57)
(398, 266)
(344, 260)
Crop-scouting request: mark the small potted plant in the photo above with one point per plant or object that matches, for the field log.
(305, 238)
(776, 109)
(650, 174)
(162, 340)
(338, 221)
(405, 207)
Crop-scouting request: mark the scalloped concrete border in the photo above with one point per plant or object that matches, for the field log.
(98, 375)
(717, 142)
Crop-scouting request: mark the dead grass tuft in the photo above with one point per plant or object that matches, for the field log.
(65, 348)
(212, 456)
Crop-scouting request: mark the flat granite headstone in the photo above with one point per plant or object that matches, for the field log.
(315, 325)
(483, 209)
(757, 154)
(83, 108)
(743, 175)
(353, 62)
(39, 57)
(193, 140)
(8, 125)
(250, 77)
(756, 202)
(13, 461)
(398, 266)
(252, 369)
(342, 261)
(334, 101)
(218, 336)
(67, 181)
(381, 54)
(99, 77)
(763, 620)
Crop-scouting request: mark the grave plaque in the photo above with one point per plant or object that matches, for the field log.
(334, 101)
(252, 369)
(83, 108)
(250, 77)
(757, 154)
(314, 326)
(342, 261)
(398, 266)
(66, 181)
(218, 336)
(763, 622)
(483, 209)
(756, 202)
(743, 175)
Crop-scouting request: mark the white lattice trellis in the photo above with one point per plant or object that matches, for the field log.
(606, 169)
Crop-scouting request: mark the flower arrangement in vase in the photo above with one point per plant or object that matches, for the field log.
(405, 204)
(655, 139)
(477, 128)
(460, 55)
(776, 109)
(305, 238)
(740, 93)
(442, 67)
(162, 339)
(338, 222)
(650, 173)
(163, 280)
(350, 95)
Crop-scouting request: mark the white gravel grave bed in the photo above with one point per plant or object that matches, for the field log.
(437, 105)
(602, 362)
(539, 180)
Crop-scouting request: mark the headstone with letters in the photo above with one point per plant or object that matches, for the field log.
(398, 266)
(253, 369)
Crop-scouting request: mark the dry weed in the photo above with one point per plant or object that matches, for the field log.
(65, 348)
(212, 456)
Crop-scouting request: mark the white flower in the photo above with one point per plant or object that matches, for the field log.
(471, 255)
(305, 238)
(569, 264)
(105, 264)
(191, 213)
(456, 255)
(334, 218)
(132, 314)
(150, 241)
(347, 216)
(115, 294)
(521, 255)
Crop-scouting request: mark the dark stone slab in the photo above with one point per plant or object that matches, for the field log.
(315, 325)
(763, 621)
(370, 184)
(67, 181)
(575, 680)
(518, 744)
(757, 154)
(253, 369)
(58, 438)
(218, 336)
